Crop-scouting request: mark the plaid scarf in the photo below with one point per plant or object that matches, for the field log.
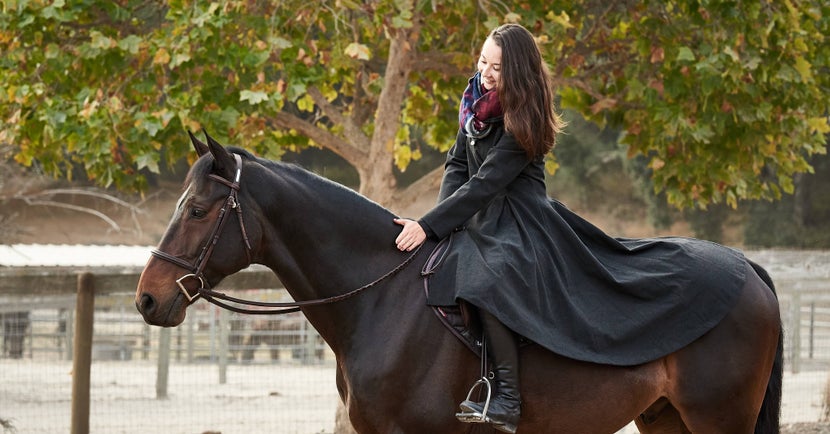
(478, 108)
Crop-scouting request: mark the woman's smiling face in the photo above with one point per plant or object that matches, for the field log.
(489, 64)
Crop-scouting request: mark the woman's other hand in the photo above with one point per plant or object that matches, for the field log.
(412, 235)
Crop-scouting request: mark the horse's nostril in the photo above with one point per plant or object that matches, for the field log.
(146, 304)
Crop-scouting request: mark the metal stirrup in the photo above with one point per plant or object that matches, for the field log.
(473, 416)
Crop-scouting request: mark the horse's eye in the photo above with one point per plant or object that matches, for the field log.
(198, 213)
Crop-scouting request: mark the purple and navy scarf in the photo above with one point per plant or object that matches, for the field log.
(478, 107)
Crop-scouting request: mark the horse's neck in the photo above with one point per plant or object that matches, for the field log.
(322, 246)
(312, 271)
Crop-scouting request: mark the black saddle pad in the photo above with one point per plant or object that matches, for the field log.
(455, 318)
(460, 319)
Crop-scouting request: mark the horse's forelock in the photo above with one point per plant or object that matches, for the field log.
(200, 169)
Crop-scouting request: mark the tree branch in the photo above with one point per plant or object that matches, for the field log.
(82, 192)
(353, 155)
(83, 209)
(439, 62)
(600, 20)
(352, 132)
(579, 84)
(417, 189)
(34, 200)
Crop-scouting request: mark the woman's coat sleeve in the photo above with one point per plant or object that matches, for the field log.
(503, 163)
(456, 170)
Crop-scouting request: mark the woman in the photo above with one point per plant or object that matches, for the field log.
(508, 122)
(531, 266)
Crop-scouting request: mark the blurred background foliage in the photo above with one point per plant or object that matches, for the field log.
(707, 111)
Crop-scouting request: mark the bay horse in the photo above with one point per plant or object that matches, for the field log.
(398, 369)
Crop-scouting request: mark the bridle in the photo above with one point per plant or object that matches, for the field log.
(197, 269)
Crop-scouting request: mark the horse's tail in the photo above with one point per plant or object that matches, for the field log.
(769, 417)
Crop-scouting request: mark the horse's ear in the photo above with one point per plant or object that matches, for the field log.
(201, 148)
(224, 162)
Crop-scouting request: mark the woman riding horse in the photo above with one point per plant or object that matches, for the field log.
(525, 260)
(677, 334)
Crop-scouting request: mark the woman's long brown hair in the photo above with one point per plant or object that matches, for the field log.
(525, 91)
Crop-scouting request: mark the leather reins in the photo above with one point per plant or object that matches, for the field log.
(211, 296)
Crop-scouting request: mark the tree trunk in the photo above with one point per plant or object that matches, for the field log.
(376, 177)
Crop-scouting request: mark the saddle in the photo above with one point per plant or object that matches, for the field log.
(461, 319)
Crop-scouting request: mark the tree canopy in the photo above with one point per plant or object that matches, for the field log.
(727, 100)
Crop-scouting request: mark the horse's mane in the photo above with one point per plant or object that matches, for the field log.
(311, 182)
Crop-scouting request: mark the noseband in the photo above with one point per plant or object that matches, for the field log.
(197, 269)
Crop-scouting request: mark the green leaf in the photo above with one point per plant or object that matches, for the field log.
(227, 66)
(255, 59)
(101, 41)
(179, 58)
(358, 51)
(279, 43)
(130, 44)
(685, 54)
(253, 97)
(149, 160)
(53, 51)
(152, 127)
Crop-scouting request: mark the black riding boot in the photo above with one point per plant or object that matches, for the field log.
(505, 403)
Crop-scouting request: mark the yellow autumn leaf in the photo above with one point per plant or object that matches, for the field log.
(115, 105)
(656, 163)
(403, 155)
(162, 57)
(89, 108)
(804, 68)
(512, 17)
(819, 125)
(551, 166)
(562, 19)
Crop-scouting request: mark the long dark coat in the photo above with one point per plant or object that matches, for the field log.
(558, 280)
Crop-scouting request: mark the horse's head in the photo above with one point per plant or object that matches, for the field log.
(207, 238)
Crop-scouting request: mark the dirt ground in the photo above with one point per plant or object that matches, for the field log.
(807, 428)
(256, 399)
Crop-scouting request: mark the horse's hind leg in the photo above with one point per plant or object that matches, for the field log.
(710, 407)
(721, 379)
(661, 418)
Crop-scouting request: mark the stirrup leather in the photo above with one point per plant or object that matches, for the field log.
(470, 416)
